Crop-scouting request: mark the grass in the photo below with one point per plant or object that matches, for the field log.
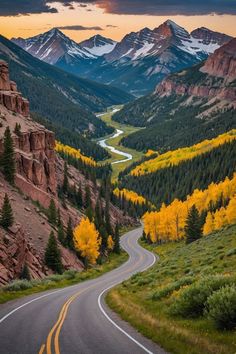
(60, 281)
(214, 254)
(127, 129)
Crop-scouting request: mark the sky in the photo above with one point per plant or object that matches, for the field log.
(112, 18)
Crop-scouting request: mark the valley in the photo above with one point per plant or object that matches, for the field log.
(112, 143)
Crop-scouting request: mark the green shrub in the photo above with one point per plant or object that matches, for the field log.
(192, 301)
(55, 277)
(70, 274)
(18, 285)
(231, 252)
(168, 290)
(221, 307)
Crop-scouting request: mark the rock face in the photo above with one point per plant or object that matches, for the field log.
(220, 72)
(34, 146)
(168, 87)
(15, 251)
(223, 62)
(9, 97)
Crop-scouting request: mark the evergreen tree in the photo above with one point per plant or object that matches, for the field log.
(25, 274)
(8, 158)
(116, 240)
(65, 180)
(61, 234)
(69, 235)
(53, 255)
(6, 215)
(52, 213)
(193, 227)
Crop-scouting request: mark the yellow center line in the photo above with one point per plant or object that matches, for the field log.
(62, 316)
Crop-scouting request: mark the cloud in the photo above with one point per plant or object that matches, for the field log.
(80, 28)
(166, 7)
(134, 7)
(111, 26)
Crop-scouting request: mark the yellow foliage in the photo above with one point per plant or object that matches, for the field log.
(150, 152)
(129, 195)
(110, 243)
(209, 224)
(175, 157)
(74, 153)
(168, 223)
(87, 240)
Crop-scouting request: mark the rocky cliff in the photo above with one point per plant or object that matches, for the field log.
(222, 63)
(214, 79)
(34, 146)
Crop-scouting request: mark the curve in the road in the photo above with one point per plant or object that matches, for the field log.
(76, 319)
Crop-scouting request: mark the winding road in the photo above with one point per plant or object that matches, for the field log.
(75, 320)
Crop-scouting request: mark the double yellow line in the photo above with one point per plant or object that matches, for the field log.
(58, 325)
(56, 329)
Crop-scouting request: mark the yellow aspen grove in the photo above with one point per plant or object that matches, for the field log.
(129, 195)
(174, 157)
(231, 211)
(168, 223)
(220, 218)
(74, 153)
(110, 243)
(87, 240)
(209, 224)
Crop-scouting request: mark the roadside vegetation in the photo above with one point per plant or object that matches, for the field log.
(23, 287)
(187, 301)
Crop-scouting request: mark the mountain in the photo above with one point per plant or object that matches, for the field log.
(55, 48)
(58, 96)
(136, 63)
(98, 45)
(144, 58)
(186, 107)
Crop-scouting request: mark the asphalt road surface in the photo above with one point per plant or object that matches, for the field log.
(75, 320)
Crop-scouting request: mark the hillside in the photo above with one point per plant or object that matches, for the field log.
(172, 181)
(44, 193)
(186, 107)
(150, 296)
(58, 96)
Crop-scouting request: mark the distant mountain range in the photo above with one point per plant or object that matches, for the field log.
(136, 63)
(187, 106)
(59, 96)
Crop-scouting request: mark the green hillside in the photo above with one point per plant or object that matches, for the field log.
(151, 298)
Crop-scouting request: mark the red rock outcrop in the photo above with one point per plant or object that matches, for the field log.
(9, 96)
(168, 87)
(222, 63)
(15, 251)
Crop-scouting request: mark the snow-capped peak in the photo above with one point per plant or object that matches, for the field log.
(98, 45)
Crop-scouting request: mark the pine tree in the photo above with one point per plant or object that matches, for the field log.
(193, 227)
(65, 180)
(69, 235)
(8, 158)
(7, 218)
(61, 234)
(87, 197)
(53, 255)
(52, 213)
(25, 274)
(116, 248)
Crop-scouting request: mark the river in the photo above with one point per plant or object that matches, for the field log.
(103, 143)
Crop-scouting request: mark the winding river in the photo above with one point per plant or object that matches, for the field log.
(103, 143)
